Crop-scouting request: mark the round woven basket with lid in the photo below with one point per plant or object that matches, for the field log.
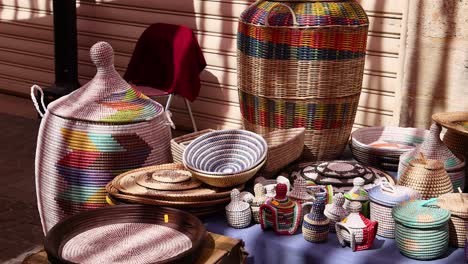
(383, 198)
(427, 177)
(90, 136)
(421, 229)
(238, 213)
(457, 204)
(300, 64)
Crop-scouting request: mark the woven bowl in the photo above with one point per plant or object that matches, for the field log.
(178, 144)
(225, 152)
(165, 235)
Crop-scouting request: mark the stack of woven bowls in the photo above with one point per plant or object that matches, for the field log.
(225, 158)
(341, 174)
(457, 204)
(168, 185)
(383, 198)
(421, 230)
(434, 148)
(178, 144)
(382, 146)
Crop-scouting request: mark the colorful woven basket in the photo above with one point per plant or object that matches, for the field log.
(457, 204)
(316, 225)
(383, 198)
(300, 64)
(335, 211)
(90, 136)
(421, 229)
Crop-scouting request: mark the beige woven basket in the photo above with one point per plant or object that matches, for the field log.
(457, 204)
(178, 144)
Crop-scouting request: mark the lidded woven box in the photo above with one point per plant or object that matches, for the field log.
(301, 64)
(93, 134)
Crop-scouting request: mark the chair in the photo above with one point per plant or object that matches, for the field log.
(167, 61)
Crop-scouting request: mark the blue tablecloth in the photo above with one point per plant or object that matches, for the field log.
(267, 247)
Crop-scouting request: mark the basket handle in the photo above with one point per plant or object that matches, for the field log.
(278, 5)
(34, 99)
(387, 187)
(428, 201)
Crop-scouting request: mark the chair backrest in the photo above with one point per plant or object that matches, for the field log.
(167, 57)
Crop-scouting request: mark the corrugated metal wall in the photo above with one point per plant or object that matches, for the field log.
(26, 50)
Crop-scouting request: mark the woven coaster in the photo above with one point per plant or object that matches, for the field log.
(341, 169)
(147, 180)
(172, 176)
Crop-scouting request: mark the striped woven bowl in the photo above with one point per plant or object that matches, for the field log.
(225, 152)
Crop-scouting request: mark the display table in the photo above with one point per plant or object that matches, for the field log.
(267, 247)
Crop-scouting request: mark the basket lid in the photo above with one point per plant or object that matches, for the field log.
(236, 203)
(391, 195)
(456, 121)
(456, 203)
(299, 191)
(421, 214)
(107, 97)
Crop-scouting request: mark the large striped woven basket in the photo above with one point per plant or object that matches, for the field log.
(90, 136)
(300, 64)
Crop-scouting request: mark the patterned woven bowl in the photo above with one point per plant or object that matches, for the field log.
(225, 152)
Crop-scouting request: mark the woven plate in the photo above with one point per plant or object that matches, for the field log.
(108, 235)
(171, 176)
(147, 180)
(341, 169)
(311, 173)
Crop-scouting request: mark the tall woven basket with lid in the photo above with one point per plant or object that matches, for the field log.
(90, 136)
(300, 64)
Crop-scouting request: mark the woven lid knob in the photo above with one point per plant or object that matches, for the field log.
(102, 55)
(235, 195)
(338, 199)
(281, 190)
(358, 181)
(259, 190)
(355, 207)
(318, 206)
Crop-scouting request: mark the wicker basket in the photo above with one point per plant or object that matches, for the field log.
(300, 64)
(457, 204)
(284, 147)
(178, 144)
(315, 226)
(91, 135)
(238, 213)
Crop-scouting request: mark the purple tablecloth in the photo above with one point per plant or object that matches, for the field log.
(266, 247)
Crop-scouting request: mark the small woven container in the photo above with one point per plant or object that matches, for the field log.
(316, 225)
(280, 213)
(259, 199)
(284, 147)
(91, 135)
(356, 229)
(434, 148)
(382, 146)
(335, 211)
(383, 198)
(300, 64)
(358, 194)
(421, 229)
(457, 204)
(178, 144)
(427, 177)
(238, 213)
(126, 234)
(299, 193)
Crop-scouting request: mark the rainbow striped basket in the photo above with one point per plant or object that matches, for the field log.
(300, 64)
(90, 136)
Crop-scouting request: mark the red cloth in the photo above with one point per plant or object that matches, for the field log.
(167, 57)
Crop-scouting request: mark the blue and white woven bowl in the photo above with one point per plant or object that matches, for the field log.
(225, 152)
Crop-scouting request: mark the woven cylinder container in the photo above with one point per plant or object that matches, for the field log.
(421, 229)
(316, 225)
(457, 204)
(300, 64)
(90, 136)
(238, 213)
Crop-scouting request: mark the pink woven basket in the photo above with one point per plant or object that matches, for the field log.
(90, 136)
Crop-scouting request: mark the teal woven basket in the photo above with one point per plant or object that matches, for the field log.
(421, 229)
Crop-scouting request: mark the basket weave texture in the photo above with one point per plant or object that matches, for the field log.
(178, 144)
(238, 213)
(457, 204)
(90, 136)
(300, 64)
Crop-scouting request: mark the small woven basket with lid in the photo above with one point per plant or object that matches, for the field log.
(427, 177)
(383, 198)
(335, 211)
(421, 229)
(238, 213)
(457, 204)
(259, 199)
(315, 226)
(90, 136)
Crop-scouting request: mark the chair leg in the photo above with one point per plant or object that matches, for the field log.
(168, 103)
(187, 103)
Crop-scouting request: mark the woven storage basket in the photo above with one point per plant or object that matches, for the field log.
(300, 64)
(107, 235)
(335, 211)
(238, 213)
(457, 204)
(178, 144)
(259, 199)
(421, 230)
(316, 225)
(434, 148)
(91, 135)
(284, 147)
(382, 146)
(383, 198)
